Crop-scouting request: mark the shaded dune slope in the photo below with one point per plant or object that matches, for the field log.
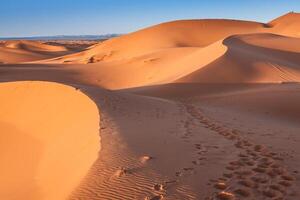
(46, 146)
(274, 102)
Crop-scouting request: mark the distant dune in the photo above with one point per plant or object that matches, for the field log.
(24, 51)
(47, 147)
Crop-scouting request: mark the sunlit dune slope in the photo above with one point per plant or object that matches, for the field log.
(185, 33)
(156, 68)
(49, 139)
(254, 58)
(24, 51)
(288, 25)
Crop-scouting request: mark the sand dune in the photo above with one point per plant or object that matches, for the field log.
(24, 51)
(288, 24)
(32, 46)
(256, 58)
(156, 68)
(207, 51)
(186, 33)
(47, 147)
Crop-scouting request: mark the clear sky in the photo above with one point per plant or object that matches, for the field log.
(81, 17)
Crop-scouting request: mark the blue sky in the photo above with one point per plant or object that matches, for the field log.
(76, 17)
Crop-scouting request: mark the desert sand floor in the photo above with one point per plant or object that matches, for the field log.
(192, 113)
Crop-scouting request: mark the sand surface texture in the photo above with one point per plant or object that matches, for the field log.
(185, 110)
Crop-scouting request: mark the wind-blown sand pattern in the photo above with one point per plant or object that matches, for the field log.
(190, 109)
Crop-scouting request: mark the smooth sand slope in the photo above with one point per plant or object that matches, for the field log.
(25, 51)
(193, 109)
(156, 68)
(254, 58)
(49, 139)
(288, 24)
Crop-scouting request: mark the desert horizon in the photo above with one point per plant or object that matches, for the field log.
(199, 109)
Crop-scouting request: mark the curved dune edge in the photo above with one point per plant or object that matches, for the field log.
(49, 139)
(252, 58)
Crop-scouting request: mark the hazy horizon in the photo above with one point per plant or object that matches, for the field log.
(31, 18)
(63, 37)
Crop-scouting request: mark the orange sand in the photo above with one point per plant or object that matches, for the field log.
(49, 139)
(190, 109)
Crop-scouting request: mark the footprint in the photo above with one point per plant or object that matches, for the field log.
(287, 177)
(196, 162)
(270, 193)
(145, 158)
(225, 196)
(259, 170)
(158, 187)
(242, 192)
(157, 197)
(277, 187)
(247, 183)
(258, 179)
(258, 148)
(178, 174)
(228, 175)
(243, 173)
(121, 172)
(285, 183)
(221, 186)
(188, 169)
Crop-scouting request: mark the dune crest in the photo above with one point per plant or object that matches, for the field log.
(288, 24)
(49, 139)
(253, 58)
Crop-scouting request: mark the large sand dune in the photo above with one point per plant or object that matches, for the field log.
(186, 33)
(49, 139)
(288, 24)
(208, 51)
